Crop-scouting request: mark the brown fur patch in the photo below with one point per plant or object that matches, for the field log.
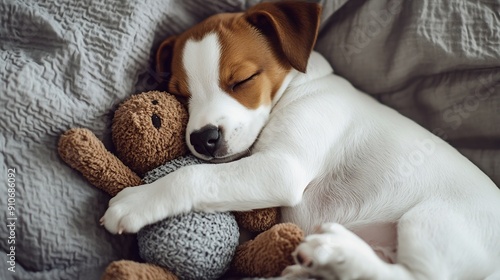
(246, 53)
(259, 57)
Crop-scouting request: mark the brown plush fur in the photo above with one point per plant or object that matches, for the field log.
(127, 270)
(253, 257)
(148, 130)
(258, 220)
(81, 149)
(140, 144)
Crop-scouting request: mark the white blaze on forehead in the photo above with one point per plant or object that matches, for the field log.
(201, 62)
(211, 105)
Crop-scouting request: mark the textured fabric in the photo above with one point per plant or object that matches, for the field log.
(69, 63)
(170, 167)
(193, 245)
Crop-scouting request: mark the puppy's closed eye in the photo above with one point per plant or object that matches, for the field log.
(241, 83)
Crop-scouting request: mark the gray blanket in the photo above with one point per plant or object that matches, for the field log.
(69, 63)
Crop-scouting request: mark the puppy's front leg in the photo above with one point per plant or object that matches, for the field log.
(258, 181)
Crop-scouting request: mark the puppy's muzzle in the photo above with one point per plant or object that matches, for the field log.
(206, 140)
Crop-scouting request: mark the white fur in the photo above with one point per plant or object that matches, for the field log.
(329, 153)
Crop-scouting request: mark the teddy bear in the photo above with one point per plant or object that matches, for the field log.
(148, 131)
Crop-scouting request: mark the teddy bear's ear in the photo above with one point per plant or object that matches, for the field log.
(164, 56)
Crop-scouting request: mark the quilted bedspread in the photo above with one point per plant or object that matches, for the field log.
(67, 64)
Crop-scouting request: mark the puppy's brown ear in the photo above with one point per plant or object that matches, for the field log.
(164, 55)
(292, 26)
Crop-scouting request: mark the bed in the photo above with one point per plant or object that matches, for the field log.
(68, 64)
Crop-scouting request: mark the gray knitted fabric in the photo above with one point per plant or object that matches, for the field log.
(193, 245)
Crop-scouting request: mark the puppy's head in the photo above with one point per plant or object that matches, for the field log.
(232, 68)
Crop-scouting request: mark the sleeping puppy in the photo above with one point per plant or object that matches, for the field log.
(291, 133)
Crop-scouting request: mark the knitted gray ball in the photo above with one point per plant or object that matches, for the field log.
(193, 245)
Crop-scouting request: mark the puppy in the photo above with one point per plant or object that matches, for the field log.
(291, 133)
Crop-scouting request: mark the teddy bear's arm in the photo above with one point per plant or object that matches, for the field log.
(83, 151)
(258, 220)
(269, 253)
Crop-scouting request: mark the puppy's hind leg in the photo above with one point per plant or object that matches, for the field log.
(439, 241)
(334, 253)
(432, 244)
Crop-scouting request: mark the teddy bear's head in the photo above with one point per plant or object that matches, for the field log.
(149, 129)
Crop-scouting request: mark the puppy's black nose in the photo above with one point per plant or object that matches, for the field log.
(206, 140)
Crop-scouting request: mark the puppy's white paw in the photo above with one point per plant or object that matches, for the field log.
(131, 209)
(337, 253)
(295, 272)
